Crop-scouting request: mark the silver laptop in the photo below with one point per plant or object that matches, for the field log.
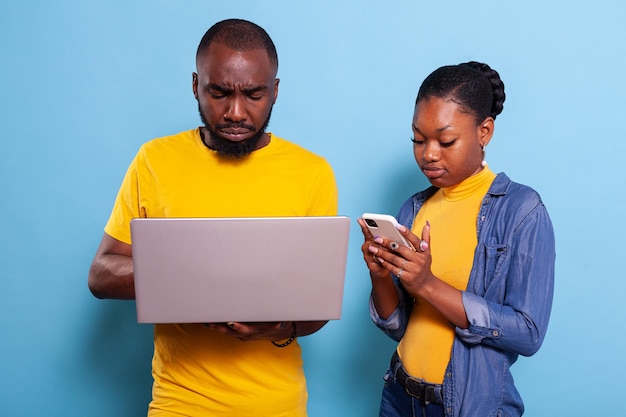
(207, 270)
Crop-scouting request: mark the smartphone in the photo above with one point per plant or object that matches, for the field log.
(385, 226)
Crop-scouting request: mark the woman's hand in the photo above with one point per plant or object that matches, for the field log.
(384, 257)
(412, 267)
(413, 270)
(372, 262)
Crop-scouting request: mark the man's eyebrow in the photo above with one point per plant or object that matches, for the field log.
(229, 90)
(221, 89)
(250, 90)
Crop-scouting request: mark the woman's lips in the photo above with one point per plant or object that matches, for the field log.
(433, 172)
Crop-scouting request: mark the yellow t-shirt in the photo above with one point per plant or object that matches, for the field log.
(452, 213)
(198, 372)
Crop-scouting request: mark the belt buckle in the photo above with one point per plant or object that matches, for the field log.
(415, 387)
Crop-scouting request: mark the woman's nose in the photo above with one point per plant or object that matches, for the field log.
(431, 152)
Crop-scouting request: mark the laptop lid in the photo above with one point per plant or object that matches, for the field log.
(203, 270)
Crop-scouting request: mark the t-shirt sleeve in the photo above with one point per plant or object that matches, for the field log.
(324, 200)
(126, 206)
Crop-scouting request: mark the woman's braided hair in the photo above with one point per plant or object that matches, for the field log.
(474, 86)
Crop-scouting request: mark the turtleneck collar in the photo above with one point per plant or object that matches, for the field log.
(469, 186)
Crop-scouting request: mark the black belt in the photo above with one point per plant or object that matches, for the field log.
(415, 387)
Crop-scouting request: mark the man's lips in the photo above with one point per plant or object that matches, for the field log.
(235, 134)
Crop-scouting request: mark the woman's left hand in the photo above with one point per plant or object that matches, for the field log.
(412, 267)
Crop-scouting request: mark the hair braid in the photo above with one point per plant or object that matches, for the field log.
(473, 85)
(496, 84)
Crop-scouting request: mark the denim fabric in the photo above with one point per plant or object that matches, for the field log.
(397, 403)
(507, 301)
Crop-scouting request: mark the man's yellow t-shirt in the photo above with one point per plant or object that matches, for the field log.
(199, 372)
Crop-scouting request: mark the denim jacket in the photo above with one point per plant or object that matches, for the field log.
(507, 300)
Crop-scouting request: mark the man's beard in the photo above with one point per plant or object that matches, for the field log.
(229, 148)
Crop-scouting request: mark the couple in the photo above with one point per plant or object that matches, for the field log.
(473, 296)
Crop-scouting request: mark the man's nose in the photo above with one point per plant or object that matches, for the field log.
(236, 111)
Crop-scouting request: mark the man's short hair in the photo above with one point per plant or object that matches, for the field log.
(240, 35)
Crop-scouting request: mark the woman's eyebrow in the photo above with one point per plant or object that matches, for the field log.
(439, 130)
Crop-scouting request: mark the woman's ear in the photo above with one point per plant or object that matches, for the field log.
(485, 131)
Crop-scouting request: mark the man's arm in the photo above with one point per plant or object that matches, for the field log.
(111, 272)
(306, 328)
(111, 276)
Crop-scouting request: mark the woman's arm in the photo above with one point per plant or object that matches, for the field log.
(513, 315)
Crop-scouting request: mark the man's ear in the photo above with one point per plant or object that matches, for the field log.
(194, 84)
(276, 82)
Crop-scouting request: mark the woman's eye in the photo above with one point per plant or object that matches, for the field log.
(417, 141)
(447, 144)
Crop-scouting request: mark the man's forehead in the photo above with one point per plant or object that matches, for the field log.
(219, 54)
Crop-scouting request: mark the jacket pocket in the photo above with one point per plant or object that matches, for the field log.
(490, 265)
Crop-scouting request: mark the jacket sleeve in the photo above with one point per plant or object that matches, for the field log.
(395, 325)
(510, 309)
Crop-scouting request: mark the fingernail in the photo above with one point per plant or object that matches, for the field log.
(378, 239)
(372, 249)
(401, 228)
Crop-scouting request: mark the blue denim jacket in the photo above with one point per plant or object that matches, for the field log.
(507, 300)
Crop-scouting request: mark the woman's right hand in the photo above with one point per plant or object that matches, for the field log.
(372, 262)
(384, 293)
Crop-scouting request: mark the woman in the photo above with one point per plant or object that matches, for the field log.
(477, 291)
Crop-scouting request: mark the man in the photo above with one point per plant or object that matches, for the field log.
(230, 167)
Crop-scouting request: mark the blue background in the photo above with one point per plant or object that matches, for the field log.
(83, 84)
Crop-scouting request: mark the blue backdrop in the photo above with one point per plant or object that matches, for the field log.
(84, 83)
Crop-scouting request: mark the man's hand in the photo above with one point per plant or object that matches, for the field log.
(274, 331)
(254, 331)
